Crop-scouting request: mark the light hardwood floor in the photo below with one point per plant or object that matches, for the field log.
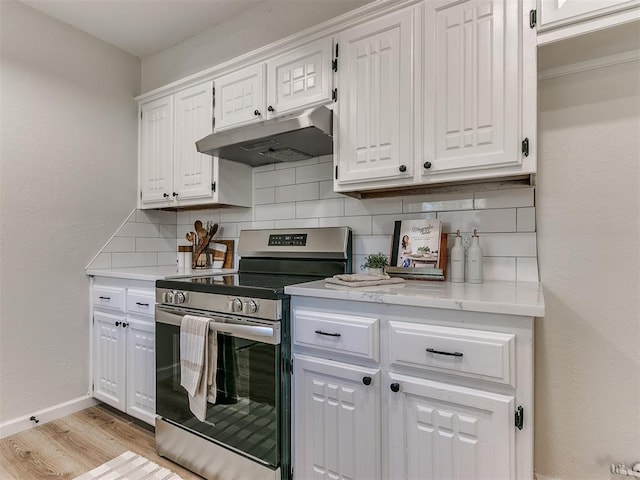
(68, 447)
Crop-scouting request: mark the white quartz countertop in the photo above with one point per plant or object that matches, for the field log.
(511, 298)
(155, 273)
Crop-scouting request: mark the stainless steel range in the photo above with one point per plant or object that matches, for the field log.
(246, 433)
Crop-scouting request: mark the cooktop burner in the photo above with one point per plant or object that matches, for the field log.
(259, 285)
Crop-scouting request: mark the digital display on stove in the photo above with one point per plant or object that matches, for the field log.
(288, 239)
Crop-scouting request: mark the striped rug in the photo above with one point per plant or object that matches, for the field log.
(130, 466)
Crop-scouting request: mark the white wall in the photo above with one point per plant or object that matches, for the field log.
(267, 22)
(67, 180)
(588, 217)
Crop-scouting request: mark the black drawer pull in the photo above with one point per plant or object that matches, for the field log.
(104, 298)
(320, 332)
(142, 304)
(452, 354)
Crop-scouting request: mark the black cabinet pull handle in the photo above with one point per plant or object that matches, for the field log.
(320, 332)
(142, 304)
(165, 194)
(402, 168)
(256, 112)
(125, 325)
(438, 352)
(104, 298)
(118, 324)
(395, 387)
(175, 194)
(427, 165)
(271, 109)
(366, 380)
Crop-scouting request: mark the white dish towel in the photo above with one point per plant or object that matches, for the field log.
(198, 363)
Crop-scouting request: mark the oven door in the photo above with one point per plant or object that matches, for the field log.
(246, 417)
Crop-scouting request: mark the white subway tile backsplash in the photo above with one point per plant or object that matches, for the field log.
(384, 224)
(167, 258)
(359, 225)
(326, 158)
(326, 190)
(156, 216)
(526, 219)
(227, 230)
(374, 206)
(262, 196)
(299, 163)
(275, 178)
(516, 197)
(138, 229)
(332, 207)
(499, 268)
(121, 244)
(366, 244)
(264, 168)
(255, 225)
(277, 211)
(142, 259)
(236, 214)
(527, 269)
(508, 244)
(102, 260)
(297, 193)
(156, 245)
(437, 202)
(168, 231)
(314, 173)
(297, 223)
(499, 220)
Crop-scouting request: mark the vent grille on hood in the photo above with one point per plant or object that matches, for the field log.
(289, 138)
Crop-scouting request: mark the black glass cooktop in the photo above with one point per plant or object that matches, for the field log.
(258, 285)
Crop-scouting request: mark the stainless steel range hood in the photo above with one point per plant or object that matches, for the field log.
(288, 138)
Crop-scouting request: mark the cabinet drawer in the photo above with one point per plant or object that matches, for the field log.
(347, 334)
(109, 297)
(462, 351)
(140, 301)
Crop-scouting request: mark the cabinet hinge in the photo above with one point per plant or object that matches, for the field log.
(525, 147)
(519, 417)
(336, 172)
(334, 95)
(140, 114)
(140, 194)
(533, 19)
(213, 187)
(334, 62)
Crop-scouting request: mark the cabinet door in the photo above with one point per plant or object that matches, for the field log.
(440, 431)
(141, 369)
(156, 151)
(240, 97)
(336, 420)
(565, 11)
(471, 71)
(109, 359)
(194, 118)
(375, 101)
(300, 79)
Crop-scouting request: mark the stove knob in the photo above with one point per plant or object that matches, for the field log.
(235, 305)
(179, 297)
(168, 297)
(250, 306)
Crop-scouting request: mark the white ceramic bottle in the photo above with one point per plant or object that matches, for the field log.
(457, 260)
(474, 260)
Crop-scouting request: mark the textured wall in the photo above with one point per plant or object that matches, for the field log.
(588, 214)
(67, 180)
(267, 22)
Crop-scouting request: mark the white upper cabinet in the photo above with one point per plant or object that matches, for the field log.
(373, 135)
(562, 12)
(156, 150)
(194, 116)
(172, 172)
(298, 79)
(471, 68)
(240, 97)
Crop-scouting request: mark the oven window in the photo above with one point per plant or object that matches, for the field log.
(246, 415)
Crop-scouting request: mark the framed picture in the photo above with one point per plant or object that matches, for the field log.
(420, 245)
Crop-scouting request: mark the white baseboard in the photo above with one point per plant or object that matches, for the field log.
(21, 424)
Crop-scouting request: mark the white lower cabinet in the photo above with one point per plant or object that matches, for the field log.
(337, 413)
(123, 350)
(439, 430)
(436, 394)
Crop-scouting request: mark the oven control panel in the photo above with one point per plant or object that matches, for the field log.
(288, 240)
(252, 307)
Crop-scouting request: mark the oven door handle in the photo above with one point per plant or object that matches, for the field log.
(254, 331)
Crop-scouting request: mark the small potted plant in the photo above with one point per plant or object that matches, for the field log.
(375, 263)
